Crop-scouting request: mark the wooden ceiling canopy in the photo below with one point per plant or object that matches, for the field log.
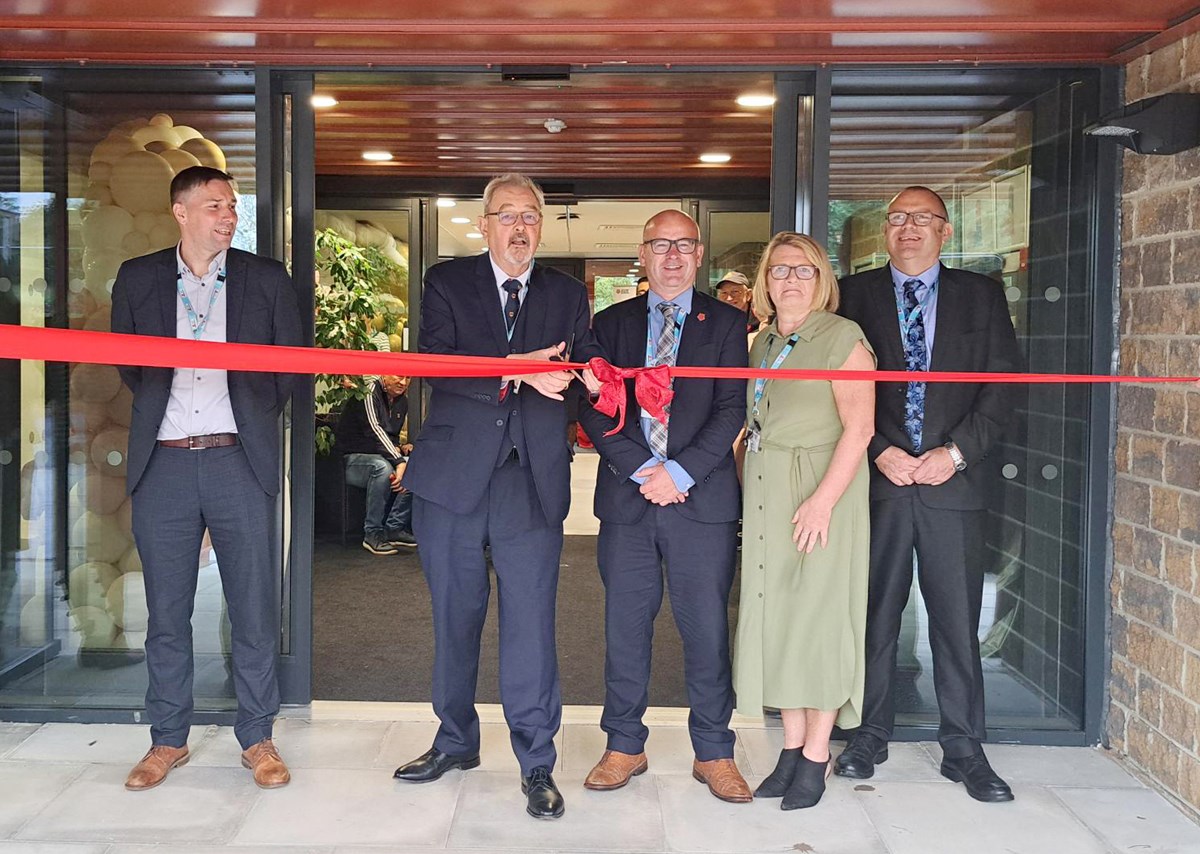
(670, 32)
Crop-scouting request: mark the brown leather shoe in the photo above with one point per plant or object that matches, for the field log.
(155, 766)
(614, 770)
(264, 760)
(723, 779)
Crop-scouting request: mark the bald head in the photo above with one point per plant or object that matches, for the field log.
(674, 270)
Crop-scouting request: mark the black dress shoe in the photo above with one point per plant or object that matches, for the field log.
(974, 772)
(861, 755)
(545, 801)
(432, 764)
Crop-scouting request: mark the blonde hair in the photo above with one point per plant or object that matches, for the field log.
(512, 179)
(826, 295)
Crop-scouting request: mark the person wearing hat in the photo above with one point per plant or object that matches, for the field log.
(734, 288)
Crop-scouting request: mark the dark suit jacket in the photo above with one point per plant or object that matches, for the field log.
(261, 309)
(706, 414)
(456, 453)
(974, 333)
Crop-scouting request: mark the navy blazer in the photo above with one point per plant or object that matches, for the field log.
(454, 457)
(974, 333)
(261, 309)
(706, 414)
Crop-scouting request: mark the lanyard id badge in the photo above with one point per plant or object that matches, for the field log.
(754, 435)
(197, 325)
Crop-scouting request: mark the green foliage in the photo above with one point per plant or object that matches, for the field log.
(352, 293)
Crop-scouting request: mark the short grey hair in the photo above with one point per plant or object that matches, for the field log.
(512, 179)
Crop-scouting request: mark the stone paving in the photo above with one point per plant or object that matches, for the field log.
(61, 793)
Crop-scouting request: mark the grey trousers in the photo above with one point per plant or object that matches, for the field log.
(181, 493)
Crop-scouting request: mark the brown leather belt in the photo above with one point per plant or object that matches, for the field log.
(197, 443)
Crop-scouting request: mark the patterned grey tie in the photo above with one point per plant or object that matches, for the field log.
(664, 354)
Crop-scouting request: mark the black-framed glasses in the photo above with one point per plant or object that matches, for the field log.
(921, 218)
(804, 272)
(661, 245)
(507, 218)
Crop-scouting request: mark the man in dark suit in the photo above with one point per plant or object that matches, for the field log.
(204, 454)
(669, 492)
(492, 467)
(927, 481)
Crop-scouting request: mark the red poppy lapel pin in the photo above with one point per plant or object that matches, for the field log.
(700, 317)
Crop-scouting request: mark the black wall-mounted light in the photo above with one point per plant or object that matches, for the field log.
(1166, 124)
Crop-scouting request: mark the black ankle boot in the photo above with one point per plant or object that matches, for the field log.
(808, 785)
(778, 780)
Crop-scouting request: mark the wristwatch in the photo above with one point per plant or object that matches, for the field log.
(960, 462)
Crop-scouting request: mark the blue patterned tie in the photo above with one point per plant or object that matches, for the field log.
(513, 305)
(664, 354)
(915, 359)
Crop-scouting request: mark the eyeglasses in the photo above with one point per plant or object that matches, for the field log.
(507, 218)
(804, 272)
(921, 218)
(661, 246)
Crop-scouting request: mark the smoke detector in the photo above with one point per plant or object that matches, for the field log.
(554, 125)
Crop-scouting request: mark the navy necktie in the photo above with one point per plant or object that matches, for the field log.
(915, 359)
(513, 305)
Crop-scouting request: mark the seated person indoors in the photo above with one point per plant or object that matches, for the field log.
(368, 434)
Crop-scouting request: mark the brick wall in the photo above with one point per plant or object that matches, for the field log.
(1154, 711)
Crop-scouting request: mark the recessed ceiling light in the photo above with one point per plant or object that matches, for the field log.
(378, 156)
(446, 203)
(460, 220)
(323, 101)
(715, 157)
(474, 235)
(750, 100)
(633, 272)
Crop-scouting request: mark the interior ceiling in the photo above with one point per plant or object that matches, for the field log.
(466, 32)
(642, 123)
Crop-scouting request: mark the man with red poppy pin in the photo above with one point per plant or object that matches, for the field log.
(668, 493)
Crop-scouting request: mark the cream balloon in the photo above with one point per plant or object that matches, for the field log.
(88, 583)
(155, 133)
(109, 450)
(100, 537)
(185, 133)
(127, 602)
(141, 181)
(180, 159)
(162, 120)
(33, 621)
(95, 383)
(164, 235)
(145, 221)
(131, 561)
(99, 320)
(136, 243)
(120, 408)
(113, 147)
(93, 622)
(105, 228)
(206, 151)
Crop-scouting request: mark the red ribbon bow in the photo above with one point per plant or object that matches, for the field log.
(651, 388)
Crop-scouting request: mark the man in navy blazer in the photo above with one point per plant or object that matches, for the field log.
(674, 500)
(204, 454)
(928, 494)
(492, 468)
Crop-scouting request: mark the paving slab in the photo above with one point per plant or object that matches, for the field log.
(13, 735)
(26, 789)
(120, 744)
(352, 807)
(1134, 820)
(194, 805)
(491, 815)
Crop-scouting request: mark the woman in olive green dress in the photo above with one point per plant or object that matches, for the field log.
(805, 534)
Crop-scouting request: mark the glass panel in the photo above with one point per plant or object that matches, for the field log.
(736, 240)
(121, 151)
(1002, 171)
(29, 588)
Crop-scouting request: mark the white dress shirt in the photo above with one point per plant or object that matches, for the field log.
(199, 403)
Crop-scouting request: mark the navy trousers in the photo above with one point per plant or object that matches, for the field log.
(699, 573)
(181, 493)
(951, 557)
(525, 552)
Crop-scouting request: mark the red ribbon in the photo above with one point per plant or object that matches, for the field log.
(111, 348)
(651, 389)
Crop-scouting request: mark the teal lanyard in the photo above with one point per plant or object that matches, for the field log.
(198, 326)
(680, 314)
(760, 384)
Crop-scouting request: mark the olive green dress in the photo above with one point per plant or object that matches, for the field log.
(802, 617)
